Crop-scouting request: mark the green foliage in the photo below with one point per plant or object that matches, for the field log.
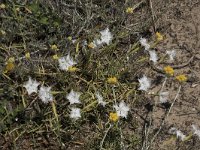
(33, 28)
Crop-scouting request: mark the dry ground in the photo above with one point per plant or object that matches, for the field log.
(53, 22)
(182, 34)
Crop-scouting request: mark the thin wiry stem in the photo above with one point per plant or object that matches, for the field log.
(163, 122)
(114, 95)
(106, 132)
(163, 85)
(147, 129)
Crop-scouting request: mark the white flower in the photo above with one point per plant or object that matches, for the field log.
(96, 43)
(74, 41)
(122, 109)
(145, 83)
(178, 133)
(153, 56)
(100, 99)
(66, 62)
(163, 96)
(106, 37)
(144, 43)
(196, 130)
(73, 97)
(75, 113)
(45, 94)
(31, 86)
(171, 54)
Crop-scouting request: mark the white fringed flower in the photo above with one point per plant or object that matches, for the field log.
(66, 62)
(96, 43)
(31, 86)
(178, 133)
(75, 113)
(196, 130)
(163, 96)
(106, 37)
(171, 54)
(100, 99)
(153, 56)
(144, 43)
(73, 97)
(122, 109)
(45, 94)
(145, 83)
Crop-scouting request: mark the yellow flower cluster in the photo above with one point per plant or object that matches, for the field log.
(2, 32)
(112, 80)
(72, 69)
(169, 70)
(129, 10)
(69, 38)
(55, 57)
(17, 9)
(54, 47)
(181, 78)
(113, 117)
(159, 36)
(27, 55)
(91, 45)
(10, 64)
(2, 6)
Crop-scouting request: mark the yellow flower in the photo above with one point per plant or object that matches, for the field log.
(181, 78)
(91, 45)
(129, 10)
(55, 57)
(54, 47)
(169, 70)
(3, 32)
(11, 59)
(112, 80)
(72, 69)
(10, 64)
(113, 117)
(2, 6)
(69, 38)
(27, 55)
(17, 9)
(159, 36)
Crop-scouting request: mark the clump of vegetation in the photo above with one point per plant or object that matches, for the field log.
(73, 72)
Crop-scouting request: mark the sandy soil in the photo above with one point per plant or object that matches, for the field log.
(180, 21)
